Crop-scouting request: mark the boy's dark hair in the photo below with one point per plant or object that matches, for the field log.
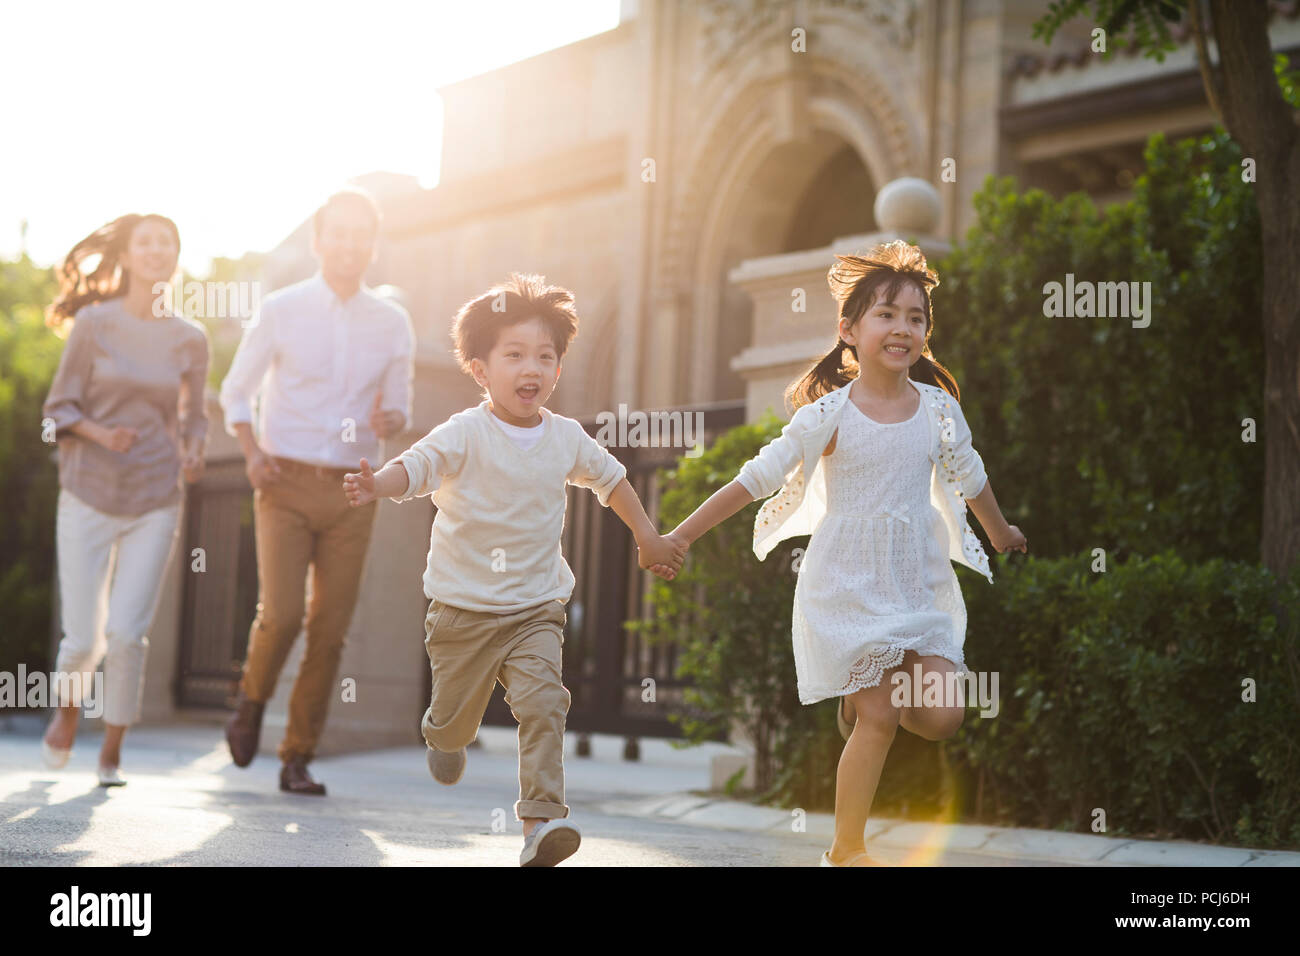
(518, 299)
(354, 194)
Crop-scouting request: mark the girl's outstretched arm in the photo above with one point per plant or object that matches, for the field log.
(761, 476)
(720, 506)
(1003, 536)
(968, 470)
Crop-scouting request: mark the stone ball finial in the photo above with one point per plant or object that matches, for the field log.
(908, 205)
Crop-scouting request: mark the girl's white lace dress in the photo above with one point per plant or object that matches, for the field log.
(876, 580)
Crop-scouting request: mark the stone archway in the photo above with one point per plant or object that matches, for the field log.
(774, 152)
(781, 199)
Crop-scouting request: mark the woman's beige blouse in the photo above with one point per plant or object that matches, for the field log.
(147, 374)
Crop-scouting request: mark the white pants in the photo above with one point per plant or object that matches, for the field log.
(111, 570)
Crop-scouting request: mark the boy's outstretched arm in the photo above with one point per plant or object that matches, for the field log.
(365, 485)
(720, 506)
(656, 552)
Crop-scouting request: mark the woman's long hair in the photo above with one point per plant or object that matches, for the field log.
(107, 280)
(855, 282)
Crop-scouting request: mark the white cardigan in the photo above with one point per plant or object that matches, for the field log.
(958, 474)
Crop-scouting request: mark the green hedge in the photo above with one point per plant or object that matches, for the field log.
(1123, 690)
(742, 672)
(1096, 433)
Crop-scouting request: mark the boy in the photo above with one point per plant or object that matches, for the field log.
(495, 577)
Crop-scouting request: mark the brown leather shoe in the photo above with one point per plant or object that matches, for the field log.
(294, 778)
(244, 730)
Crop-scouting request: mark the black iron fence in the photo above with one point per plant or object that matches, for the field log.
(219, 602)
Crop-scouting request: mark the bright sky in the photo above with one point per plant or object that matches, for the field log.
(236, 118)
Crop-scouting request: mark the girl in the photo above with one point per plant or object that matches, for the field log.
(876, 592)
(127, 407)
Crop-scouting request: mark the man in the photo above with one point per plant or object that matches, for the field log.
(333, 364)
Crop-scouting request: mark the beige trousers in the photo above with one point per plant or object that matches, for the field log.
(469, 651)
(304, 521)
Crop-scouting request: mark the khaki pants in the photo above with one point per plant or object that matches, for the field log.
(469, 651)
(303, 521)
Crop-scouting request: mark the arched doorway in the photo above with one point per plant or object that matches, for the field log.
(801, 196)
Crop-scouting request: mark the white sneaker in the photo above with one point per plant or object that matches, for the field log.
(549, 843)
(54, 757)
(109, 777)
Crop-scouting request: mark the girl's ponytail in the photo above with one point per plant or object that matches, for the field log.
(832, 371)
(928, 371)
(854, 282)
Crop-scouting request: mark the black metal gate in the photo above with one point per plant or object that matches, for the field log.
(220, 601)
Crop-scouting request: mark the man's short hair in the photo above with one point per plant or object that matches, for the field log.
(345, 195)
(520, 298)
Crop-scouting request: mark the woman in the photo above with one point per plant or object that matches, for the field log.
(127, 406)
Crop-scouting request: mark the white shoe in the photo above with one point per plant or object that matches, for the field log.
(109, 777)
(853, 860)
(549, 843)
(54, 757)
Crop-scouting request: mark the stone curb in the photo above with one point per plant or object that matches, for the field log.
(1066, 848)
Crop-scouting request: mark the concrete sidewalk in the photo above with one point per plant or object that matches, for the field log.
(697, 807)
(654, 811)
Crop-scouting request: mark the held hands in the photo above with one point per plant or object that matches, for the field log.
(385, 423)
(1012, 541)
(360, 487)
(664, 555)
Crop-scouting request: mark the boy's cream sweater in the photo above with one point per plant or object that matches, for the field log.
(495, 544)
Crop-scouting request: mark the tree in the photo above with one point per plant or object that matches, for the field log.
(29, 480)
(1257, 102)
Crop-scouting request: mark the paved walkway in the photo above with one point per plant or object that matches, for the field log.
(187, 804)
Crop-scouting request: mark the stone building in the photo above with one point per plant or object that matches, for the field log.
(683, 173)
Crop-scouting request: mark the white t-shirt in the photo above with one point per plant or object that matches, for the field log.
(495, 542)
(525, 438)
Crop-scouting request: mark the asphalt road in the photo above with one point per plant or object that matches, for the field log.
(186, 804)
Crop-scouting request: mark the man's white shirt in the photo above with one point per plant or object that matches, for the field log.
(315, 363)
